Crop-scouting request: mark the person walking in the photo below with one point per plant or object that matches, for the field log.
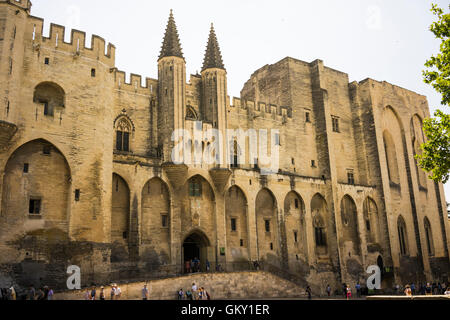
(358, 290)
(428, 290)
(208, 265)
(408, 291)
(118, 293)
(180, 294)
(349, 293)
(31, 293)
(329, 290)
(13, 293)
(87, 294)
(102, 293)
(93, 293)
(50, 294)
(308, 291)
(413, 289)
(113, 291)
(194, 291)
(145, 292)
(187, 266)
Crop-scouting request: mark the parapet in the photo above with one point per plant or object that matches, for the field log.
(262, 109)
(76, 46)
(24, 4)
(135, 83)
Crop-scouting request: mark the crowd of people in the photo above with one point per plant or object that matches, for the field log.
(114, 294)
(194, 266)
(195, 293)
(43, 293)
(428, 289)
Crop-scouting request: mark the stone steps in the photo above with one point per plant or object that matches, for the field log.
(237, 285)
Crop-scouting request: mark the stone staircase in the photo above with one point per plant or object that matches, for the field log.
(221, 286)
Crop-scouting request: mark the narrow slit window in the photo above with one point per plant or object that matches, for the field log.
(26, 167)
(233, 224)
(34, 207)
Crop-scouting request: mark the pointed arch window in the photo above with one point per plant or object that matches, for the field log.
(429, 236)
(123, 131)
(319, 231)
(401, 226)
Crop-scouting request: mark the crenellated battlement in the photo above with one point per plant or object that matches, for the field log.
(262, 109)
(24, 4)
(77, 45)
(135, 83)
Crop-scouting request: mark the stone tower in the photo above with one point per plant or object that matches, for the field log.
(172, 88)
(214, 85)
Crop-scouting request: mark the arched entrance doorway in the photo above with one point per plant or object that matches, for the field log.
(195, 247)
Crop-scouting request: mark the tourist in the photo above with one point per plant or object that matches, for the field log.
(206, 294)
(208, 265)
(308, 291)
(408, 291)
(180, 294)
(50, 294)
(87, 294)
(118, 293)
(93, 293)
(187, 266)
(413, 288)
(40, 294)
(349, 293)
(344, 290)
(102, 293)
(200, 294)
(189, 295)
(328, 290)
(31, 293)
(145, 292)
(447, 291)
(358, 290)
(429, 290)
(12, 293)
(113, 291)
(194, 291)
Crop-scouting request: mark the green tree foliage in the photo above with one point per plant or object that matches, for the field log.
(435, 158)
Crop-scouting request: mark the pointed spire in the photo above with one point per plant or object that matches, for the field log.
(171, 46)
(213, 57)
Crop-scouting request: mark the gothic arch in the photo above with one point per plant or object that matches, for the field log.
(198, 206)
(349, 218)
(428, 236)
(36, 184)
(191, 114)
(391, 157)
(120, 213)
(320, 217)
(294, 211)
(267, 224)
(155, 217)
(371, 221)
(236, 223)
(402, 236)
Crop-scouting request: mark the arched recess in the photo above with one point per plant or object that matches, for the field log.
(267, 225)
(371, 221)
(236, 223)
(418, 139)
(36, 186)
(191, 114)
(51, 95)
(429, 236)
(120, 215)
(402, 236)
(198, 209)
(294, 211)
(320, 220)
(391, 157)
(349, 217)
(155, 221)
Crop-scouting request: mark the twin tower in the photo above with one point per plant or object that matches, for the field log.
(172, 87)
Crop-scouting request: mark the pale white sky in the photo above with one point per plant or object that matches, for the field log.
(381, 39)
